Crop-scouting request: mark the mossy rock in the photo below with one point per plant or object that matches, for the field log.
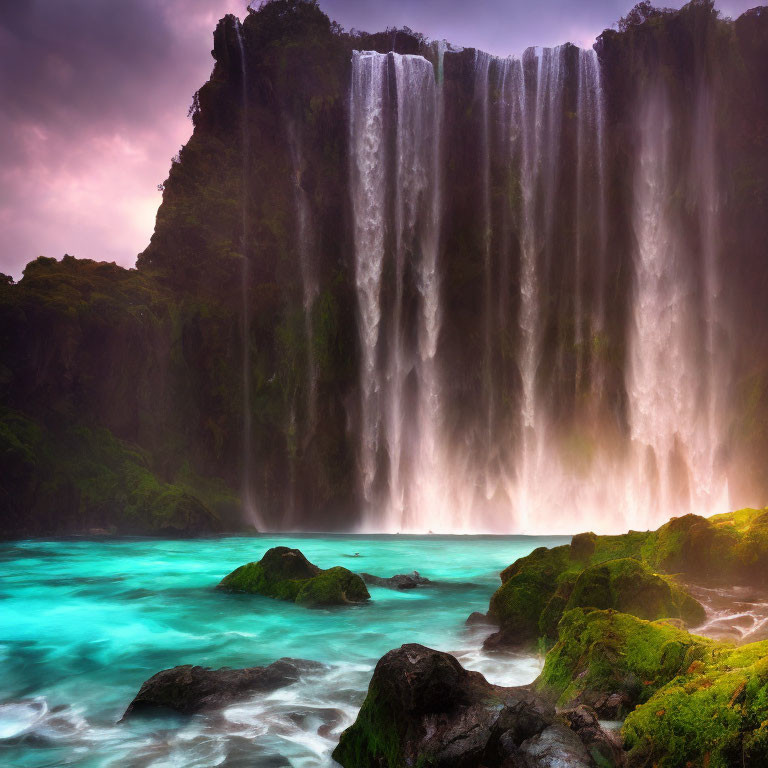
(752, 550)
(628, 544)
(602, 654)
(539, 588)
(583, 546)
(692, 546)
(424, 709)
(629, 586)
(631, 572)
(285, 574)
(527, 587)
(625, 585)
(722, 549)
(712, 714)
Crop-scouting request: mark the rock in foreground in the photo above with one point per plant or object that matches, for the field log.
(424, 709)
(613, 661)
(189, 689)
(286, 574)
(714, 714)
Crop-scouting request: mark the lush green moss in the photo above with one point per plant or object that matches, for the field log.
(608, 652)
(624, 545)
(713, 714)
(375, 739)
(285, 574)
(251, 577)
(633, 573)
(527, 586)
(537, 589)
(334, 586)
(628, 586)
(722, 549)
(692, 545)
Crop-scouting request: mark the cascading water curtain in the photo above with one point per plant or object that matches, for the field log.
(546, 449)
(395, 208)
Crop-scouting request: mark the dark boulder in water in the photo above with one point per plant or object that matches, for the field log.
(398, 581)
(189, 689)
(476, 618)
(424, 708)
(286, 574)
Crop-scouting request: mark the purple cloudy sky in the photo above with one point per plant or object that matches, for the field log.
(94, 97)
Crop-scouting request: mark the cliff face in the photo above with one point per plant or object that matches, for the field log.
(258, 240)
(95, 431)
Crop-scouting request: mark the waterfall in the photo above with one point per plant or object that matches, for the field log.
(704, 190)
(672, 406)
(428, 499)
(590, 198)
(368, 193)
(248, 499)
(482, 69)
(304, 238)
(395, 421)
(553, 426)
(540, 105)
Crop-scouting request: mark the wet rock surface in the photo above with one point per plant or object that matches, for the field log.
(398, 581)
(603, 746)
(476, 618)
(424, 708)
(190, 689)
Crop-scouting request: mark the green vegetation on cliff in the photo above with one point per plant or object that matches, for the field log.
(154, 355)
(78, 479)
(97, 428)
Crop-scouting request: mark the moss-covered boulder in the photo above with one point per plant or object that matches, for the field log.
(613, 661)
(629, 586)
(722, 549)
(537, 589)
(583, 546)
(527, 587)
(635, 573)
(713, 715)
(693, 546)
(285, 574)
(752, 550)
(689, 701)
(625, 585)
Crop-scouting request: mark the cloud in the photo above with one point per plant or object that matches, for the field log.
(94, 100)
(94, 97)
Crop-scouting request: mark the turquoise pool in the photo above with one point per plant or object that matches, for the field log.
(83, 623)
